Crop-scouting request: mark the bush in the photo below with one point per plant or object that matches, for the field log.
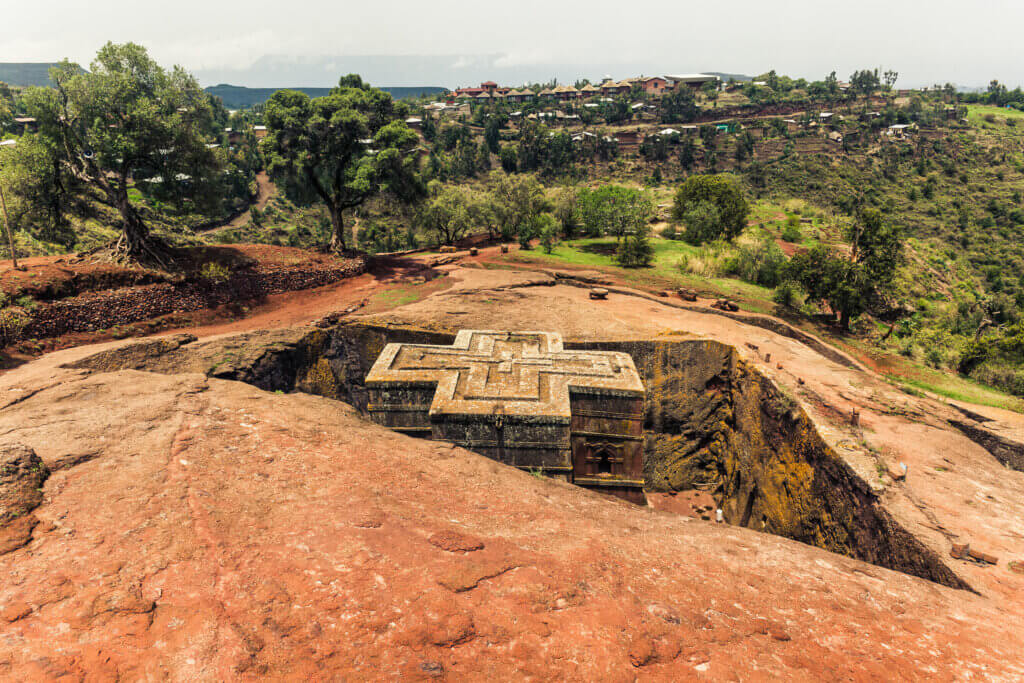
(13, 321)
(215, 273)
(760, 264)
(549, 231)
(791, 232)
(635, 250)
(786, 294)
(707, 262)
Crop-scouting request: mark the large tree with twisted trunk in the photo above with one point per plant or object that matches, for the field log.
(124, 117)
(341, 149)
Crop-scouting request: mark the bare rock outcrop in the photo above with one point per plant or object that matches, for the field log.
(22, 474)
(224, 532)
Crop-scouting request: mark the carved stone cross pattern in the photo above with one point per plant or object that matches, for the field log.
(519, 374)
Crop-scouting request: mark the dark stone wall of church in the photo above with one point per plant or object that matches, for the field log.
(714, 422)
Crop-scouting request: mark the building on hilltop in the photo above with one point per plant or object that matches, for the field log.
(694, 81)
(653, 85)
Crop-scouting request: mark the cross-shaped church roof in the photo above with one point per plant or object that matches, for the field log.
(487, 372)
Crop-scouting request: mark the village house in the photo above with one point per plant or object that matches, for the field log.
(616, 88)
(654, 85)
(23, 124)
(590, 90)
(566, 92)
(694, 81)
(260, 132)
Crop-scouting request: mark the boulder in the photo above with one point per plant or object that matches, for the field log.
(22, 474)
(687, 294)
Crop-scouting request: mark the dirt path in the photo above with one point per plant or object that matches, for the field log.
(265, 189)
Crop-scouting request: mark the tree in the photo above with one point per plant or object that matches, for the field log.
(826, 275)
(446, 212)
(877, 243)
(548, 230)
(636, 251)
(124, 116)
(613, 210)
(851, 285)
(724, 194)
(890, 78)
(509, 158)
(710, 90)
(517, 200)
(38, 191)
(6, 105)
(864, 82)
(679, 106)
(492, 133)
(703, 223)
(342, 148)
(687, 153)
(564, 210)
(831, 86)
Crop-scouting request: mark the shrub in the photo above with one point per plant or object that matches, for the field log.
(13, 321)
(707, 262)
(761, 264)
(635, 250)
(786, 294)
(791, 233)
(548, 229)
(215, 273)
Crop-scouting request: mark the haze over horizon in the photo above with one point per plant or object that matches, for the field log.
(399, 43)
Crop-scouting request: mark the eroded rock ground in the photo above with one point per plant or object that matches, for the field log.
(197, 528)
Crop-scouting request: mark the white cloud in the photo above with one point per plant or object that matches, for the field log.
(926, 40)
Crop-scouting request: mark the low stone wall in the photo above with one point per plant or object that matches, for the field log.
(103, 310)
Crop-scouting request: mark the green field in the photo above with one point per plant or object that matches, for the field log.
(976, 113)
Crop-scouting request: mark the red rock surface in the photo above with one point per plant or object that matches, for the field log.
(199, 529)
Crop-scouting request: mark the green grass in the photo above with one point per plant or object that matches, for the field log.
(664, 272)
(960, 389)
(976, 113)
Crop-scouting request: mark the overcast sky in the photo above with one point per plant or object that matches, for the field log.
(927, 41)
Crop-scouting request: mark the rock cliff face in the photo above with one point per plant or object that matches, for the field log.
(711, 422)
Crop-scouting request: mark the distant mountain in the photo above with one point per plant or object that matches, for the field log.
(24, 74)
(448, 70)
(238, 97)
